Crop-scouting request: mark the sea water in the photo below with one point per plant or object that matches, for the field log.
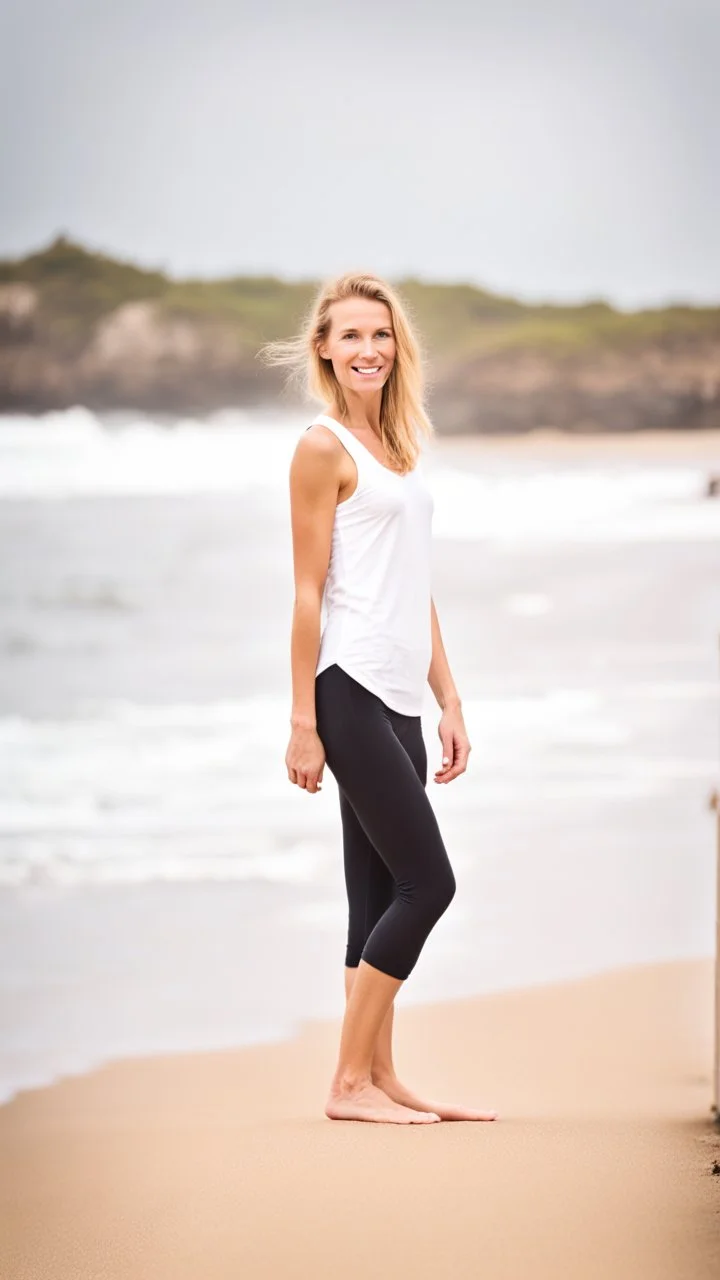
(162, 884)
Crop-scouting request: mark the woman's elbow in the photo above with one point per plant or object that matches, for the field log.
(308, 600)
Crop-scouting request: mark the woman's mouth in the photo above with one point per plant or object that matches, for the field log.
(368, 372)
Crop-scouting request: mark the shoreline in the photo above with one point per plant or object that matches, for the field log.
(671, 443)
(645, 441)
(295, 1027)
(223, 1163)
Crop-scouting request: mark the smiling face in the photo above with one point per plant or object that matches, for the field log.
(360, 343)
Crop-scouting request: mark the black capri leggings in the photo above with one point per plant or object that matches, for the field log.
(398, 876)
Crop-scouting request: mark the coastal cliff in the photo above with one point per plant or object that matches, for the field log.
(80, 328)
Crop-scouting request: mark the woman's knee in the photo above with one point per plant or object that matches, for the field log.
(432, 894)
(446, 888)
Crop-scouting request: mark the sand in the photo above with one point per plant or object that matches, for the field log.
(219, 1166)
(633, 446)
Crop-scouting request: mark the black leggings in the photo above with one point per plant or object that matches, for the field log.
(398, 877)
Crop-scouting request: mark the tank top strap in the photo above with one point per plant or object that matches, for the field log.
(357, 451)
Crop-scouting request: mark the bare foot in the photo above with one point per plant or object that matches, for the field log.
(368, 1102)
(397, 1091)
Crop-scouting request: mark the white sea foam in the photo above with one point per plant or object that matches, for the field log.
(75, 454)
(576, 504)
(528, 604)
(130, 793)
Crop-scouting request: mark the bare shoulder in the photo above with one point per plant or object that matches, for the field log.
(319, 442)
(318, 458)
(318, 451)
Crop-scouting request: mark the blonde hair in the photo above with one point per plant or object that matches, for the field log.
(402, 412)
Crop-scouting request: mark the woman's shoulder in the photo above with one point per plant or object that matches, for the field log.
(318, 455)
(319, 441)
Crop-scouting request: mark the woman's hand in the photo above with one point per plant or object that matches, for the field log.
(455, 744)
(305, 759)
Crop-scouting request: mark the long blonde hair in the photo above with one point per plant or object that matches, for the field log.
(402, 412)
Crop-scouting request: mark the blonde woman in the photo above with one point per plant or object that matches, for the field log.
(361, 527)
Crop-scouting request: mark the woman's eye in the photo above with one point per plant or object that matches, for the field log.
(382, 333)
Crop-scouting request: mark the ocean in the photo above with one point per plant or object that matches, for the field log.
(164, 888)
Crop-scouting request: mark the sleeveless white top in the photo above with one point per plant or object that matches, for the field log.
(377, 594)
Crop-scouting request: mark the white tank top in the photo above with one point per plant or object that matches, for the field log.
(377, 593)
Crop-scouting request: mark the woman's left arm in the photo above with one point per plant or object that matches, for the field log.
(453, 736)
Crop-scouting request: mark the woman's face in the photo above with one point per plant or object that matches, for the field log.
(360, 344)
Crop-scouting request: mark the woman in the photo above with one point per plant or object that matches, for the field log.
(361, 527)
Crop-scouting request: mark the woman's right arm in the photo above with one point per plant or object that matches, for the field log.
(314, 486)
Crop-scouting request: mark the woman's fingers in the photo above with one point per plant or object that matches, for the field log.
(450, 753)
(306, 746)
(308, 781)
(447, 763)
(459, 764)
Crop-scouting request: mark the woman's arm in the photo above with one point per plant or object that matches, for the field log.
(451, 730)
(313, 498)
(439, 676)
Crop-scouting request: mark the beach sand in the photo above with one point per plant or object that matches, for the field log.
(633, 446)
(222, 1165)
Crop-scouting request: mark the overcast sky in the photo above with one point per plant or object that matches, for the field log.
(549, 149)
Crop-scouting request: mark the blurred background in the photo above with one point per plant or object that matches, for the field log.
(541, 183)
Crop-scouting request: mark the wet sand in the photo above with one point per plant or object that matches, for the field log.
(223, 1165)
(639, 446)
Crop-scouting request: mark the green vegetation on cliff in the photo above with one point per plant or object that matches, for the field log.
(80, 326)
(76, 288)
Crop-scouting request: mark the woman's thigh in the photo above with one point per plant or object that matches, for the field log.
(368, 881)
(408, 730)
(379, 778)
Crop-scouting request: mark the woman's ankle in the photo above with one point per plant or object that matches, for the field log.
(383, 1074)
(348, 1080)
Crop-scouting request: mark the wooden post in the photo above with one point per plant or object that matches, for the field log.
(715, 804)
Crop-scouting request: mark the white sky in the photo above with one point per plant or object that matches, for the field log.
(548, 149)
